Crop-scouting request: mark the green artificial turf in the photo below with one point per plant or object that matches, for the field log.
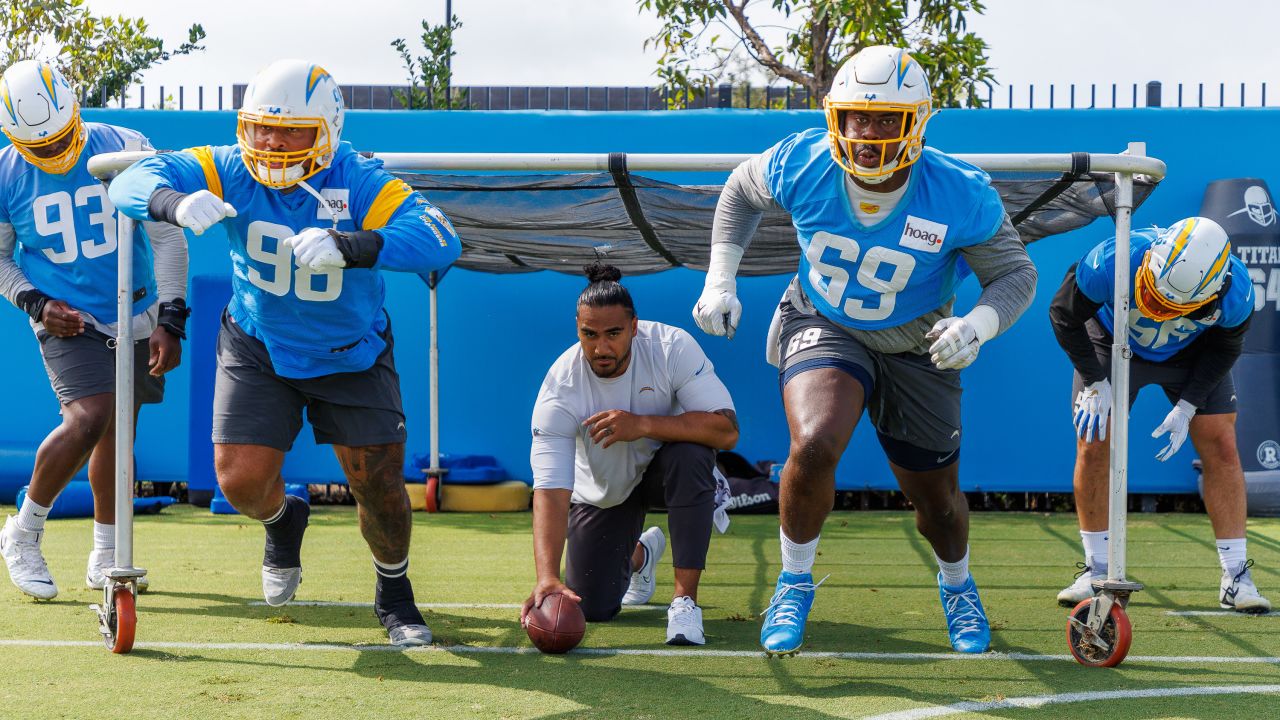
(880, 598)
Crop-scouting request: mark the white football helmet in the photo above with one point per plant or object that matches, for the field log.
(1184, 269)
(1259, 205)
(42, 116)
(290, 94)
(879, 79)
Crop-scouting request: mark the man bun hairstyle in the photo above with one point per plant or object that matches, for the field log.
(604, 290)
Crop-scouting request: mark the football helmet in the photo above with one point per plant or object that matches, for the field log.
(290, 94)
(42, 116)
(1183, 269)
(1259, 206)
(879, 79)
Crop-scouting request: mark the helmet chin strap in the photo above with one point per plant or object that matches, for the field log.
(323, 203)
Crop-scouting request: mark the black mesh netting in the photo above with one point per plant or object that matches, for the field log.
(521, 223)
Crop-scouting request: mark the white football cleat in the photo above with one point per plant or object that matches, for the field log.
(27, 568)
(100, 561)
(1237, 591)
(279, 585)
(684, 623)
(409, 635)
(1082, 588)
(644, 580)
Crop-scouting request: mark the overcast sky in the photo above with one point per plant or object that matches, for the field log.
(601, 42)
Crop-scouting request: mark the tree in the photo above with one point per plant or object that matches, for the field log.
(819, 37)
(430, 75)
(101, 56)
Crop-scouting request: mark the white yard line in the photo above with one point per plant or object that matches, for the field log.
(1078, 697)
(1196, 613)
(641, 652)
(431, 606)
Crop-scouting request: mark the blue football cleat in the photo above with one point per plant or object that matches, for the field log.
(966, 620)
(783, 630)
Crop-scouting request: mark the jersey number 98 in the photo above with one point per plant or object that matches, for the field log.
(832, 280)
(281, 274)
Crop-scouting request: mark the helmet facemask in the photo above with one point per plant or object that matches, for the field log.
(1154, 304)
(73, 136)
(910, 140)
(283, 168)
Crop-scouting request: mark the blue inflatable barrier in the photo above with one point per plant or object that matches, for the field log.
(222, 506)
(463, 469)
(76, 501)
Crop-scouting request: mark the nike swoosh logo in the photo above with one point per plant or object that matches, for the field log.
(39, 515)
(704, 367)
(946, 457)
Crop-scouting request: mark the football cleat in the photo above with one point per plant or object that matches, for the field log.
(100, 561)
(644, 580)
(1082, 588)
(782, 632)
(1237, 591)
(27, 569)
(684, 622)
(393, 604)
(967, 624)
(281, 561)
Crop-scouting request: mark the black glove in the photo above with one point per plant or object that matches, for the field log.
(359, 248)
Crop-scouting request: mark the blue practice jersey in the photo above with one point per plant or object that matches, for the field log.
(1152, 340)
(65, 228)
(313, 323)
(899, 269)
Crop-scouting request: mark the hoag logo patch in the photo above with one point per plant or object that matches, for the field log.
(338, 200)
(923, 235)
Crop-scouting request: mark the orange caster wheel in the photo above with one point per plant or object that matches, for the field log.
(126, 620)
(1106, 647)
(433, 493)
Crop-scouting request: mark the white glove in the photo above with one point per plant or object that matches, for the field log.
(1093, 411)
(956, 339)
(314, 248)
(955, 343)
(718, 310)
(1176, 423)
(201, 210)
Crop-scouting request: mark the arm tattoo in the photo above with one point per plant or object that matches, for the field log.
(733, 417)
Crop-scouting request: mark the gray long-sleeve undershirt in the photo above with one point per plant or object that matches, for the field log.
(168, 246)
(1001, 264)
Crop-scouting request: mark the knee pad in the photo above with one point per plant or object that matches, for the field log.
(914, 458)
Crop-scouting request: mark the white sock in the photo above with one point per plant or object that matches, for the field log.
(797, 558)
(104, 536)
(392, 571)
(1232, 553)
(31, 516)
(954, 573)
(1095, 550)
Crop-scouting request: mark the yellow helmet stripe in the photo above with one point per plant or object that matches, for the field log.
(46, 76)
(904, 62)
(313, 79)
(1180, 243)
(1217, 268)
(8, 103)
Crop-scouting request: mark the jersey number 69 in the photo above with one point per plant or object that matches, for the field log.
(832, 280)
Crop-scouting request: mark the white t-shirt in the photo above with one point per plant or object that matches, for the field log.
(668, 375)
(869, 206)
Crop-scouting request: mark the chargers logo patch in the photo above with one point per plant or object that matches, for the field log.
(338, 200)
(923, 235)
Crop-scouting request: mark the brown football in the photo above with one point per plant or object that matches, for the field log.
(557, 625)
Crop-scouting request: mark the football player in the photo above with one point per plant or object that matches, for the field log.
(311, 225)
(1192, 301)
(58, 264)
(883, 224)
(629, 417)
